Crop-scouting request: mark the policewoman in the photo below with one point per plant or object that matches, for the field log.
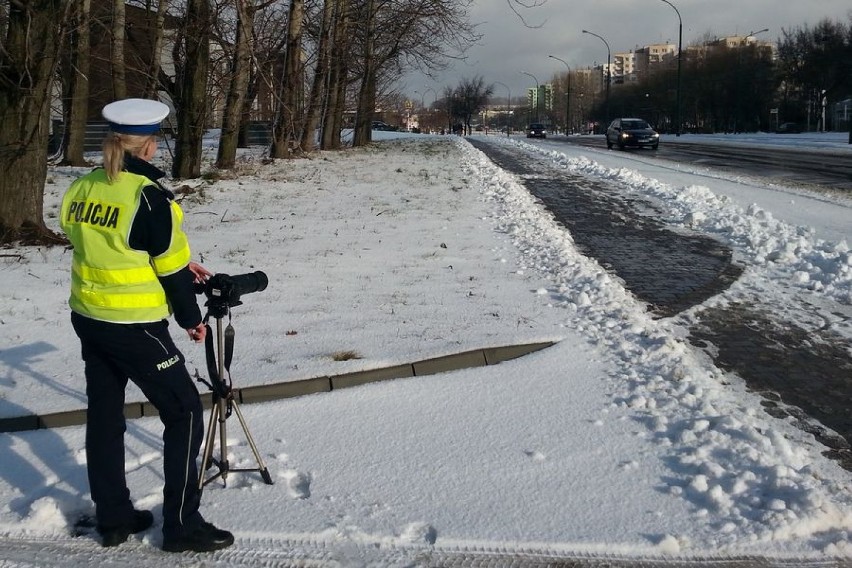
(131, 270)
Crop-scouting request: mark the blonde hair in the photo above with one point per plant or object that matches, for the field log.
(116, 144)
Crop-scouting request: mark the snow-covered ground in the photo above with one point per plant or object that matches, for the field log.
(621, 440)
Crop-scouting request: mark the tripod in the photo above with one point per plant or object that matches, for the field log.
(223, 403)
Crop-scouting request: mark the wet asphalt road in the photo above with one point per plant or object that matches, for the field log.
(801, 373)
(829, 170)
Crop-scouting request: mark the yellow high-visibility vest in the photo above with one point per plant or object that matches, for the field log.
(109, 280)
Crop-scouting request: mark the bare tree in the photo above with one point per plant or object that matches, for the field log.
(471, 96)
(286, 121)
(367, 92)
(239, 83)
(409, 33)
(264, 82)
(518, 5)
(75, 83)
(191, 89)
(322, 71)
(31, 34)
(332, 122)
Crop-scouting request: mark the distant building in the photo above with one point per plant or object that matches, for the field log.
(623, 68)
(653, 58)
(541, 98)
(735, 41)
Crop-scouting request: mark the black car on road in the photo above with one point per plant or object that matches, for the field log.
(536, 130)
(634, 132)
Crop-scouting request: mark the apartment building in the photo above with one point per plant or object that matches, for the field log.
(623, 68)
(654, 57)
(735, 41)
(541, 98)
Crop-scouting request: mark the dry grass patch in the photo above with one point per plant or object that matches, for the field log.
(346, 355)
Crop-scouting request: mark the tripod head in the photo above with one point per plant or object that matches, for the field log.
(224, 291)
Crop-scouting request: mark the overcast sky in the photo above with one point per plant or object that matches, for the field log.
(508, 47)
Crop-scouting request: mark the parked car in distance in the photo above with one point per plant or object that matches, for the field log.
(788, 128)
(634, 132)
(536, 130)
(379, 125)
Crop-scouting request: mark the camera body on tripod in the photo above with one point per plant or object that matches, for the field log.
(224, 291)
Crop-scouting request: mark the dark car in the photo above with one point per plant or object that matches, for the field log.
(788, 128)
(379, 125)
(633, 132)
(536, 130)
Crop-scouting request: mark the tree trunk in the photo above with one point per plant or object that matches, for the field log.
(240, 75)
(334, 108)
(192, 91)
(119, 83)
(75, 84)
(284, 133)
(152, 81)
(367, 92)
(27, 66)
(320, 83)
(245, 111)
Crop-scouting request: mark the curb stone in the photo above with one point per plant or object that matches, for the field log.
(315, 385)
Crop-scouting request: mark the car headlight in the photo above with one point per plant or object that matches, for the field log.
(655, 135)
(625, 135)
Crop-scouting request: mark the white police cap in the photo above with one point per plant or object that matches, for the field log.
(135, 116)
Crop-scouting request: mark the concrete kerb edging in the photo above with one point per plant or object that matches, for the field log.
(278, 391)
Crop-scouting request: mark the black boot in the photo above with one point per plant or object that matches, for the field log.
(115, 535)
(201, 538)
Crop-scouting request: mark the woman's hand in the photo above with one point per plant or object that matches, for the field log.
(198, 333)
(201, 274)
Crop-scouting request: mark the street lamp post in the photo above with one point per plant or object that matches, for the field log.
(567, 96)
(608, 62)
(422, 101)
(537, 93)
(434, 102)
(428, 89)
(754, 33)
(422, 104)
(738, 112)
(679, 64)
(508, 107)
(428, 111)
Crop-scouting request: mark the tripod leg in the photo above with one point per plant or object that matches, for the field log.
(264, 472)
(223, 396)
(223, 439)
(210, 441)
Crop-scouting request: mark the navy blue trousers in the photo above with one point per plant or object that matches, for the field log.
(146, 354)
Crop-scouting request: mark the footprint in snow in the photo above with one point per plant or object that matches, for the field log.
(298, 484)
(535, 456)
(419, 533)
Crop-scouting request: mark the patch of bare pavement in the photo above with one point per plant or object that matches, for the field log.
(801, 373)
